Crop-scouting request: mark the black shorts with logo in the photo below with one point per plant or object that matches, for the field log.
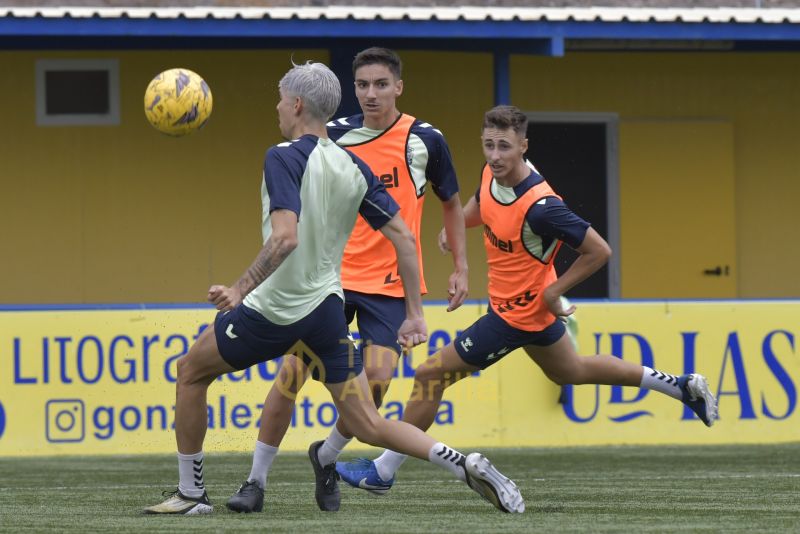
(245, 338)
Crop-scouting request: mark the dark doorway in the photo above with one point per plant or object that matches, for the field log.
(572, 156)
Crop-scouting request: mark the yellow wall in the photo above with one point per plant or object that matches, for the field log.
(124, 214)
(433, 83)
(663, 255)
(758, 93)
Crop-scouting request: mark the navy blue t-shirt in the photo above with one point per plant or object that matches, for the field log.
(286, 164)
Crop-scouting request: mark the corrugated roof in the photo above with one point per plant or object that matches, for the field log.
(497, 14)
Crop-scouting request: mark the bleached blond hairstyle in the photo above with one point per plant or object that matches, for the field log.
(316, 85)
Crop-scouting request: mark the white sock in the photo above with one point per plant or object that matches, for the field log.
(388, 463)
(330, 450)
(661, 382)
(262, 461)
(443, 456)
(190, 471)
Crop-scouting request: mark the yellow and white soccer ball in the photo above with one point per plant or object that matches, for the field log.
(178, 102)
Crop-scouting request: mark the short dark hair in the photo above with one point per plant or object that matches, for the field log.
(505, 117)
(380, 56)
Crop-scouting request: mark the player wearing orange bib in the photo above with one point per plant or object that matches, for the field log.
(290, 297)
(514, 281)
(408, 156)
(524, 224)
(369, 264)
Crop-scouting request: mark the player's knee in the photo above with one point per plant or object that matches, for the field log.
(288, 383)
(188, 374)
(379, 360)
(291, 377)
(183, 371)
(558, 379)
(434, 378)
(379, 374)
(378, 389)
(428, 386)
(379, 380)
(567, 374)
(426, 373)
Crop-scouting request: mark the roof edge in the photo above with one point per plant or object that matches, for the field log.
(445, 13)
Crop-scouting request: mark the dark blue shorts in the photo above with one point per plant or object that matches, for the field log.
(245, 338)
(490, 338)
(379, 317)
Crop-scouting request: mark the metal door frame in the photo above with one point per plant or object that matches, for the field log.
(611, 121)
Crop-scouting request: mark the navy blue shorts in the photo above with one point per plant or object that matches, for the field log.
(379, 317)
(245, 338)
(490, 338)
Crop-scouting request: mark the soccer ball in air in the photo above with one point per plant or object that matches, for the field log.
(177, 102)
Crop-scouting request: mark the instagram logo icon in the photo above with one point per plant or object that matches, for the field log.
(65, 420)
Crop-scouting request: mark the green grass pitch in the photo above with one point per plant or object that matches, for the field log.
(599, 489)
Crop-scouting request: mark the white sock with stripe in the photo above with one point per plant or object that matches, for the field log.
(330, 450)
(449, 458)
(388, 463)
(662, 382)
(262, 462)
(190, 472)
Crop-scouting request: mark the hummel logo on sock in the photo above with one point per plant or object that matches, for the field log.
(450, 455)
(452, 460)
(198, 474)
(665, 377)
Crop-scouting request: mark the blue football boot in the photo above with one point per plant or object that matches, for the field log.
(697, 396)
(361, 473)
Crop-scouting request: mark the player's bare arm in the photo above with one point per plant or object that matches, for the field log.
(472, 213)
(280, 244)
(413, 331)
(472, 218)
(594, 253)
(458, 283)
